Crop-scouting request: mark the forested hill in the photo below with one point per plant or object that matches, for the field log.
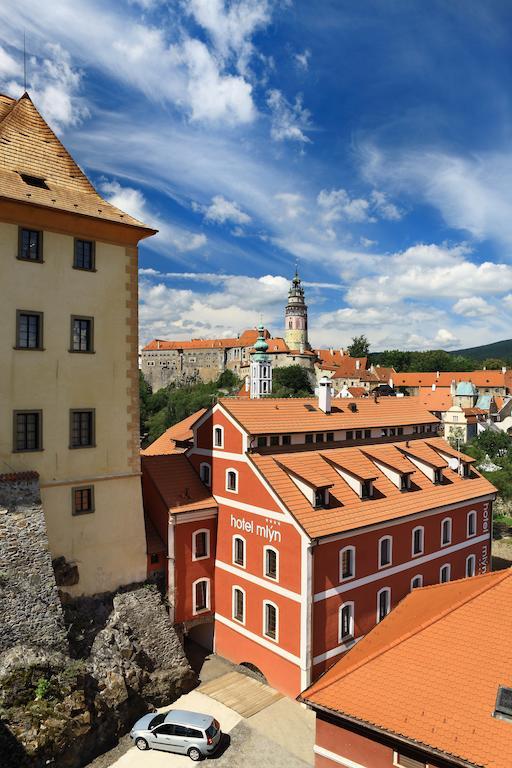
(500, 349)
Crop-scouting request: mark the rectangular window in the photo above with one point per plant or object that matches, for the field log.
(28, 431)
(83, 500)
(384, 432)
(201, 596)
(349, 435)
(287, 439)
(402, 761)
(367, 433)
(347, 563)
(82, 334)
(262, 441)
(200, 544)
(400, 431)
(270, 563)
(29, 329)
(346, 623)
(84, 256)
(366, 489)
(330, 437)
(319, 438)
(309, 438)
(270, 625)
(30, 245)
(238, 605)
(383, 604)
(385, 552)
(417, 541)
(239, 551)
(274, 440)
(82, 429)
(359, 434)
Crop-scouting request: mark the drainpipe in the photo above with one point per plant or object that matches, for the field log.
(171, 567)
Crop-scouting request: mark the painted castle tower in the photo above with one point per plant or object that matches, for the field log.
(296, 317)
(261, 368)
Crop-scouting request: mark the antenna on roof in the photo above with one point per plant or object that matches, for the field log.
(24, 64)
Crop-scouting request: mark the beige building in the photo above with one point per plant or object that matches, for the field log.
(68, 345)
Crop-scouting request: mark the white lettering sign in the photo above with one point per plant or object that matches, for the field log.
(265, 531)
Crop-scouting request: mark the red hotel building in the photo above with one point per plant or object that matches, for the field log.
(291, 530)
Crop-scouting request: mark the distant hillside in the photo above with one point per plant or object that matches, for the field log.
(500, 349)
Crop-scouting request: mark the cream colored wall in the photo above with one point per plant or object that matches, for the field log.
(55, 380)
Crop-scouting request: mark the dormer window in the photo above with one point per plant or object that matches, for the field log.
(438, 476)
(366, 489)
(405, 482)
(321, 497)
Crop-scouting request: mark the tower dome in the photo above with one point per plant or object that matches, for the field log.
(296, 317)
(261, 367)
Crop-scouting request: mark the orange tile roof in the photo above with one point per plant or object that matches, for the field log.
(178, 483)
(180, 432)
(358, 391)
(388, 454)
(439, 657)
(438, 399)
(346, 510)
(441, 445)
(301, 414)
(309, 467)
(28, 145)
(385, 374)
(445, 378)
(247, 339)
(335, 359)
(423, 452)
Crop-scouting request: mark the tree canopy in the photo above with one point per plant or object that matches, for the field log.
(360, 346)
(291, 381)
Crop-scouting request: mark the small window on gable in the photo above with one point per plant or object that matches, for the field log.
(201, 544)
(205, 473)
(218, 437)
(232, 480)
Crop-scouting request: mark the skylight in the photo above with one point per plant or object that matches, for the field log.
(34, 181)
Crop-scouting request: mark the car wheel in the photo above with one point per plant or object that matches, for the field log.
(141, 744)
(194, 754)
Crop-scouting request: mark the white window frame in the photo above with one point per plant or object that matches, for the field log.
(443, 521)
(266, 549)
(445, 565)
(470, 558)
(418, 576)
(209, 466)
(221, 444)
(347, 578)
(195, 534)
(350, 636)
(422, 550)
(388, 590)
(228, 470)
(396, 764)
(387, 565)
(242, 590)
(195, 610)
(276, 638)
(242, 538)
(471, 514)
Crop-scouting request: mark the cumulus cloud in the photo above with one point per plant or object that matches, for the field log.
(292, 204)
(289, 121)
(9, 67)
(473, 306)
(302, 59)
(222, 210)
(337, 205)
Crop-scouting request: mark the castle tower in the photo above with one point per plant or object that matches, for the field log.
(296, 317)
(261, 368)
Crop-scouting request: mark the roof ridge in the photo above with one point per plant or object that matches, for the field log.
(421, 627)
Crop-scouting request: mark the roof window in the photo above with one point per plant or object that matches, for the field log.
(503, 707)
(34, 181)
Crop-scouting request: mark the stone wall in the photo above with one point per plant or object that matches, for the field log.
(30, 608)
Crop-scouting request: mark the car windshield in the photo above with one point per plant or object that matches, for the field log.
(212, 729)
(157, 720)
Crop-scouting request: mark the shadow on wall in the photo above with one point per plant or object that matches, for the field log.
(12, 753)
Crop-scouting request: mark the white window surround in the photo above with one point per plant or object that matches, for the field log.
(233, 551)
(343, 638)
(471, 515)
(390, 539)
(233, 604)
(195, 611)
(266, 549)
(470, 559)
(218, 436)
(449, 540)
(396, 764)
(442, 568)
(353, 574)
(264, 633)
(422, 547)
(194, 537)
(418, 576)
(205, 472)
(235, 471)
(381, 591)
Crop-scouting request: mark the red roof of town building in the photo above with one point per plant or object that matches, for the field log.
(247, 339)
(438, 658)
(445, 378)
(177, 483)
(178, 433)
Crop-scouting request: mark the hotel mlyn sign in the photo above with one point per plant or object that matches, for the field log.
(289, 528)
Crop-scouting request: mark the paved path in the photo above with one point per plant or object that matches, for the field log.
(244, 694)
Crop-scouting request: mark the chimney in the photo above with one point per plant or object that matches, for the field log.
(158, 343)
(358, 365)
(301, 348)
(324, 394)
(504, 369)
(453, 388)
(437, 374)
(433, 387)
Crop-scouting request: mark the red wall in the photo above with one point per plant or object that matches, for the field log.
(232, 435)
(187, 571)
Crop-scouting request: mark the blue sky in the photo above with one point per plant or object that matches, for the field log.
(371, 141)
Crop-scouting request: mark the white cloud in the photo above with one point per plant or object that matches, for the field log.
(507, 300)
(366, 242)
(302, 59)
(9, 67)
(336, 205)
(446, 338)
(222, 210)
(384, 207)
(473, 306)
(292, 204)
(289, 121)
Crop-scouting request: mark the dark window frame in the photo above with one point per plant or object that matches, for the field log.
(92, 268)
(90, 320)
(91, 411)
(24, 412)
(19, 256)
(82, 488)
(40, 316)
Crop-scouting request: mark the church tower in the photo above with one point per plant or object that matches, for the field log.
(261, 368)
(296, 317)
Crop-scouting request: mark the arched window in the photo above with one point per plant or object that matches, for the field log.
(201, 596)
(444, 573)
(417, 581)
(271, 563)
(417, 540)
(218, 437)
(383, 603)
(270, 620)
(347, 563)
(205, 473)
(446, 532)
(471, 524)
(346, 622)
(239, 551)
(239, 604)
(201, 544)
(470, 565)
(385, 551)
(232, 480)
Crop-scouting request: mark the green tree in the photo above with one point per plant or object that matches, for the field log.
(360, 346)
(493, 364)
(291, 381)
